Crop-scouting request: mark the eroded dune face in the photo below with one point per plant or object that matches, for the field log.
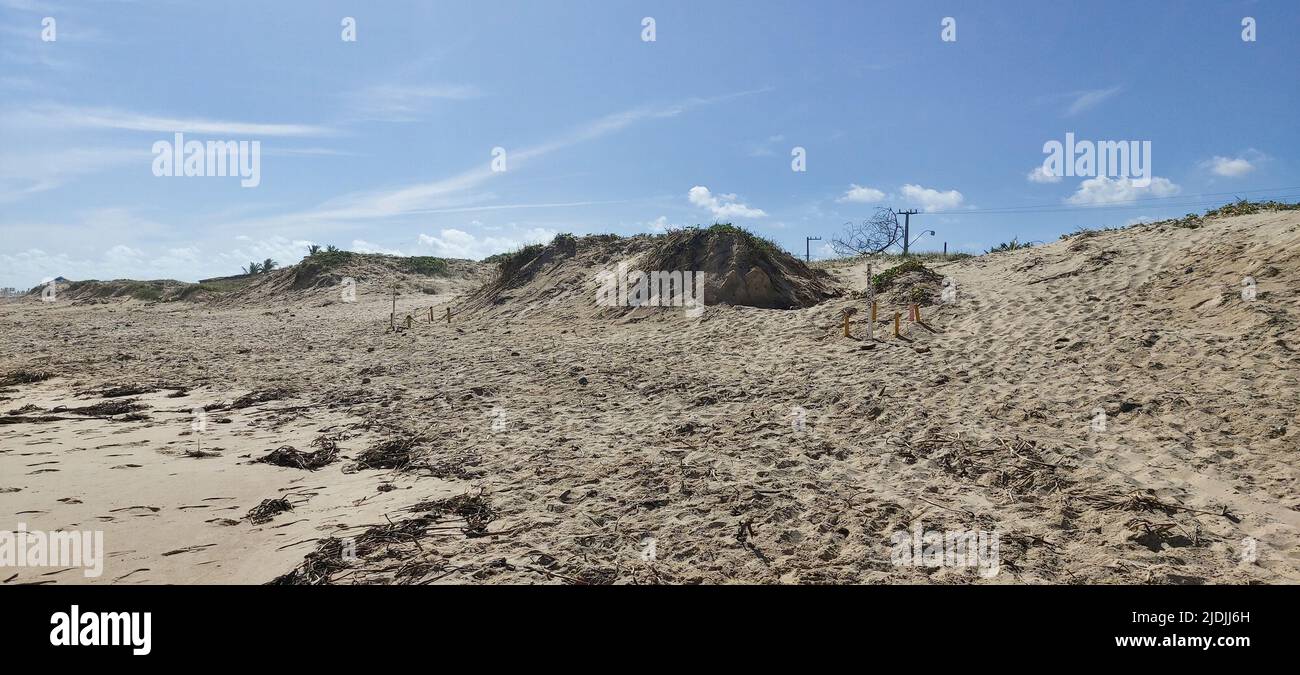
(1116, 407)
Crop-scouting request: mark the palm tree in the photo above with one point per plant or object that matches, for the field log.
(313, 250)
(269, 265)
(253, 268)
(331, 249)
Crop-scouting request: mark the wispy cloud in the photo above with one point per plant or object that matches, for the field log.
(457, 191)
(454, 243)
(72, 117)
(765, 147)
(23, 175)
(405, 103)
(1086, 100)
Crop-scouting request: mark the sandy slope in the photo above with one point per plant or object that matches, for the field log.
(586, 433)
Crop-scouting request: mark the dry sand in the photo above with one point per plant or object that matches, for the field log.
(566, 437)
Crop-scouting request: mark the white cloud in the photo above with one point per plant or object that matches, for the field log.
(123, 255)
(282, 250)
(1104, 190)
(454, 243)
(861, 194)
(404, 103)
(1085, 100)
(70, 117)
(931, 200)
(1230, 166)
(23, 175)
(1041, 175)
(456, 191)
(723, 206)
(363, 246)
(659, 224)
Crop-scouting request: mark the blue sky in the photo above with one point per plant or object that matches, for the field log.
(385, 143)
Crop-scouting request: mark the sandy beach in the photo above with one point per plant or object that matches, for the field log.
(1109, 404)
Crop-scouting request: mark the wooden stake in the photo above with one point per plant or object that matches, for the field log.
(430, 315)
(449, 316)
(917, 310)
(848, 313)
(871, 296)
(897, 316)
(409, 320)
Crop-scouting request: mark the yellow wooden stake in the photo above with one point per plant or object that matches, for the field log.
(917, 310)
(897, 316)
(873, 311)
(848, 313)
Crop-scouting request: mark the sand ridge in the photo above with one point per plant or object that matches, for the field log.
(591, 435)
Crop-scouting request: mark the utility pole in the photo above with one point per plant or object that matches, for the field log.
(807, 247)
(907, 227)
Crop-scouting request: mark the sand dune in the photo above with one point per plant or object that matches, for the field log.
(541, 439)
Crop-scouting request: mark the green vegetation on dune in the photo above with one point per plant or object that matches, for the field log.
(320, 260)
(883, 281)
(214, 286)
(148, 291)
(1192, 221)
(513, 261)
(423, 264)
(762, 243)
(328, 259)
(1013, 245)
(673, 239)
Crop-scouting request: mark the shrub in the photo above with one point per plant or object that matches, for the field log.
(881, 282)
(1013, 245)
(423, 264)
